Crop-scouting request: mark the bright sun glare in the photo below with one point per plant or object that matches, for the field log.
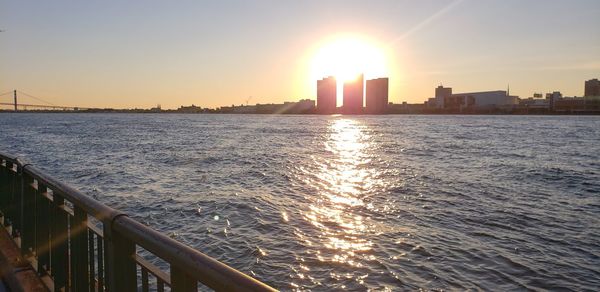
(347, 57)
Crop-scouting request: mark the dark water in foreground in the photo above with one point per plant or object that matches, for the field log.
(355, 203)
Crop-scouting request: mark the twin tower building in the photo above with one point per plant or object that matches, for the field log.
(354, 92)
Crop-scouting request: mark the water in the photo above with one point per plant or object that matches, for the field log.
(352, 203)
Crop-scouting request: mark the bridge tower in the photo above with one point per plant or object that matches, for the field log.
(15, 95)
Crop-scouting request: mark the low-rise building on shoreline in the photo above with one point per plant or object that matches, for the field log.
(304, 106)
(447, 101)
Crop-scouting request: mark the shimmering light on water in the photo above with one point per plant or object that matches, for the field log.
(342, 181)
(347, 203)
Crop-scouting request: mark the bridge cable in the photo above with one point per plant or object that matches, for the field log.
(36, 98)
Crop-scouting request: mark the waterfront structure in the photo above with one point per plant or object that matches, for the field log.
(592, 87)
(326, 95)
(441, 93)
(557, 103)
(353, 96)
(483, 99)
(535, 102)
(406, 108)
(586, 104)
(377, 96)
(304, 106)
(553, 98)
(446, 100)
(554, 95)
(190, 109)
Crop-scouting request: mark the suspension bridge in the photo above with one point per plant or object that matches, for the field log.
(32, 103)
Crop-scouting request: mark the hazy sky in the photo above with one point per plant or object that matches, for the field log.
(212, 53)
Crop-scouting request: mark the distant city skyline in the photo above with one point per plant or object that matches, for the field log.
(140, 54)
(360, 96)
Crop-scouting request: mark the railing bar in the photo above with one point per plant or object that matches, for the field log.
(18, 205)
(92, 273)
(144, 279)
(68, 210)
(4, 190)
(91, 206)
(73, 255)
(27, 215)
(182, 281)
(47, 195)
(208, 271)
(158, 273)
(160, 285)
(95, 229)
(121, 269)
(10, 200)
(59, 245)
(79, 250)
(43, 231)
(32, 184)
(100, 260)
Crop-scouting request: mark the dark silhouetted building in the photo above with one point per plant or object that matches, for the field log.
(377, 96)
(442, 91)
(190, 109)
(353, 96)
(326, 95)
(441, 94)
(592, 87)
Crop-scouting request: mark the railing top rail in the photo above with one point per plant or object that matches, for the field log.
(205, 269)
(88, 204)
(9, 157)
(209, 271)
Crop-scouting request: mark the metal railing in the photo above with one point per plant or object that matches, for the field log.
(76, 243)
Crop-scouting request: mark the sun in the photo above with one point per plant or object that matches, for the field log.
(347, 57)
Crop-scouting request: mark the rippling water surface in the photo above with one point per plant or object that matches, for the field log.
(353, 203)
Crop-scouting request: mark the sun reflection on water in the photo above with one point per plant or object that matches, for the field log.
(344, 178)
(345, 210)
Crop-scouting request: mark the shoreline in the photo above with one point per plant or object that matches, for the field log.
(588, 113)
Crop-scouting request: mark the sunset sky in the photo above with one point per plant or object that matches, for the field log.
(213, 53)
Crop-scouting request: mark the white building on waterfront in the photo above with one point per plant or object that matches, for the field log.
(445, 99)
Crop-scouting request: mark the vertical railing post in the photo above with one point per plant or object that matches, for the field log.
(79, 251)
(91, 263)
(9, 216)
(181, 281)
(145, 286)
(18, 205)
(27, 212)
(59, 236)
(120, 269)
(42, 229)
(4, 183)
(100, 260)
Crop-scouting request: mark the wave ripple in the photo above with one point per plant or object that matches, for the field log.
(347, 203)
